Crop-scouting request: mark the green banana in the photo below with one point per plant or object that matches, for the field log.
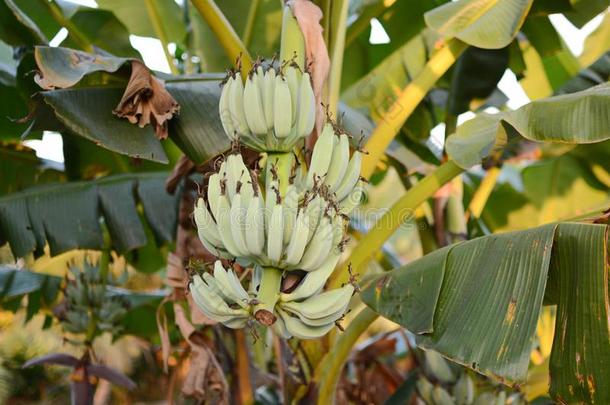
(306, 107)
(313, 281)
(300, 330)
(321, 157)
(253, 105)
(282, 108)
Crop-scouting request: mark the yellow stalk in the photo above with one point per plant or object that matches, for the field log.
(480, 197)
(407, 101)
(402, 210)
(224, 32)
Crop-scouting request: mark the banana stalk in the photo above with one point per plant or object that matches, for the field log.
(268, 295)
(280, 165)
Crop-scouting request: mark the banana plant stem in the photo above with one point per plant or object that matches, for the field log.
(224, 32)
(73, 30)
(156, 21)
(329, 369)
(408, 99)
(401, 211)
(480, 197)
(268, 294)
(243, 368)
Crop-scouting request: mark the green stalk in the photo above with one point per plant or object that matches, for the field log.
(329, 369)
(402, 210)
(268, 294)
(224, 32)
(157, 23)
(78, 37)
(247, 35)
(407, 101)
(337, 48)
(292, 40)
(283, 163)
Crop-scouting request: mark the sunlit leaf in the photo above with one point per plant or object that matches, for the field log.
(581, 117)
(491, 295)
(481, 23)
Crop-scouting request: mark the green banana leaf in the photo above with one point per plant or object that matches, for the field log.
(67, 215)
(17, 28)
(136, 16)
(489, 24)
(575, 118)
(478, 302)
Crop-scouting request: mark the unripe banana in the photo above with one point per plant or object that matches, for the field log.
(339, 162)
(236, 105)
(425, 388)
(319, 247)
(293, 77)
(463, 391)
(214, 191)
(206, 226)
(279, 327)
(255, 226)
(282, 108)
(224, 109)
(268, 91)
(253, 106)
(322, 153)
(298, 239)
(351, 176)
(206, 296)
(236, 171)
(298, 329)
(353, 199)
(238, 223)
(322, 305)
(306, 107)
(313, 281)
(441, 396)
(314, 212)
(224, 227)
(230, 285)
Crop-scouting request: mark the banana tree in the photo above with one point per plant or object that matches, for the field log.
(265, 223)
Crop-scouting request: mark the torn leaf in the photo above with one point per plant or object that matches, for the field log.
(145, 101)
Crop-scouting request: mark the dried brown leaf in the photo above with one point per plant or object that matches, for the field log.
(145, 101)
(205, 379)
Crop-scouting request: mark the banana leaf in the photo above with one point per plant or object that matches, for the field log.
(67, 215)
(575, 118)
(478, 302)
(489, 24)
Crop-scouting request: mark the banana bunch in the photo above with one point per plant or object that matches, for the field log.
(290, 227)
(85, 297)
(305, 313)
(272, 111)
(332, 166)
